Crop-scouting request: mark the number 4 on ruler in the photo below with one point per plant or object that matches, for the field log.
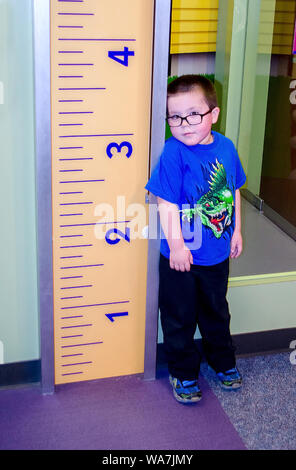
(116, 55)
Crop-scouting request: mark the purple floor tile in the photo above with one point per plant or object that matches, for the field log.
(125, 413)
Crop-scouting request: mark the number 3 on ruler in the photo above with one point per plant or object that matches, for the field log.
(116, 55)
(125, 235)
(119, 147)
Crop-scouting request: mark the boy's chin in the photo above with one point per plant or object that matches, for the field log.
(190, 139)
(193, 139)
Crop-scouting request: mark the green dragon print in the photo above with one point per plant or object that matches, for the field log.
(214, 208)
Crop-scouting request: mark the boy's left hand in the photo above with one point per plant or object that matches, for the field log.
(236, 245)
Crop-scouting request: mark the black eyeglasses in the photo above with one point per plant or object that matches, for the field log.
(192, 119)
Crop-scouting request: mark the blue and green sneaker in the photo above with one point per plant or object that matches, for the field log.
(230, 379)
(185, 391)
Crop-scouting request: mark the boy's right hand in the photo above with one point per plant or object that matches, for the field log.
(181, 259)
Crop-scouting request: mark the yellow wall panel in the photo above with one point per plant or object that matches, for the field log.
(193, 26)
(194, 15)
(278, 28)
(190, 48)
(285, 5)
(193, 38)
(285, 50)
(276, 40)
(195, 3)
(192, 19)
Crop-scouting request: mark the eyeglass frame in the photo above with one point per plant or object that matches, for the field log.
(185, 118)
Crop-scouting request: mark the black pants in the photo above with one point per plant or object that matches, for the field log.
(188, 299)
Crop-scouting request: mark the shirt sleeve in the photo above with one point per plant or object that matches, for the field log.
(166, 178)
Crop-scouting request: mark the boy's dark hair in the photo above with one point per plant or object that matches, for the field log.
(186, 83)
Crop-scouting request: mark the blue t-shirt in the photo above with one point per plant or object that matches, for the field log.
(201, 180)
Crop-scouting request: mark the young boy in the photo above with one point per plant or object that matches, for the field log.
(197, 178)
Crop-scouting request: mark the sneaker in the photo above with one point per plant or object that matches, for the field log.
(185, 391)
(230, 379)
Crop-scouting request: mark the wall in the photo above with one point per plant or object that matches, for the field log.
(19, 330)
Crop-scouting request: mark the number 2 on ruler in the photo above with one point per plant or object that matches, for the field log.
(116, 55)
(125, 236)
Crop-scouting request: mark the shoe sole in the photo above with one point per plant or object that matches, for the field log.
(184, 401)
(235, 386)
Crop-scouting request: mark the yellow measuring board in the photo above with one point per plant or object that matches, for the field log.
(101, 66)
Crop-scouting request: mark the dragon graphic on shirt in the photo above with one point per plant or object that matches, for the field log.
(215, 208)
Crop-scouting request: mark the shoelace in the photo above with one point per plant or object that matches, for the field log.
(190, 386)
(188, 383)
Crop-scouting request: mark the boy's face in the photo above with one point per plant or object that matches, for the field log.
(185, 103)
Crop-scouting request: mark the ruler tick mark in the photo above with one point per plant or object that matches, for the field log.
(67, 171)
(70, 215)
(76, 326)
(72, 355)
(94, 88)
(97, 223)
(71, 277)
(73, 64)
(72, 336)
(96, 39)
(75, 297)
(75, 246)
(68, 159)
(75, 316)
(70, 148)
(73, 192)
(85, 344)
(97, 305)
(73, 373)
(81, 181)
(95, 135)
(71, 101)
(74, 203)
(75, 112)
(76, 287)
(76, 364)
(77, 14)
(83, 266)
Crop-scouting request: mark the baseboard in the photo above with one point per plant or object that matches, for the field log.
(248, 344)
(264, 341)
(16, 373)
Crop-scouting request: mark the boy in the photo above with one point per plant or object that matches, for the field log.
(200, 168)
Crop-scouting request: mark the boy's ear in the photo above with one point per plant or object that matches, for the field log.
(215, 114)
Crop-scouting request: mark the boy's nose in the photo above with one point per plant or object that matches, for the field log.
(184, 122)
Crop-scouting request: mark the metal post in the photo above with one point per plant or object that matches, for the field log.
(41, 13)
(159, 90)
